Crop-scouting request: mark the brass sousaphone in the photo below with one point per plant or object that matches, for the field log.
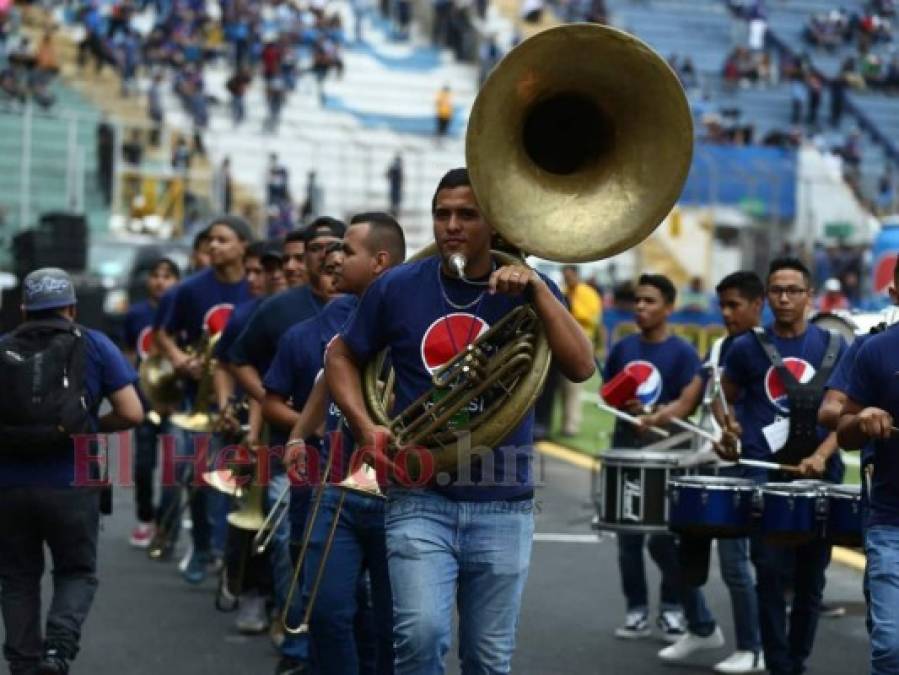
(578, 146)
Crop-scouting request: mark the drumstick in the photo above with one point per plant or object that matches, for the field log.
(789, 468)
(699, 431)
(630, 418)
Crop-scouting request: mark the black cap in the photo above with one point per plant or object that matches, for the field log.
(324, 227)
(238, 225)
(273, 250)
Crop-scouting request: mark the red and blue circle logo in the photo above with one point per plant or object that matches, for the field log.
(447, 336)
(144, 342)
(649, 381)
(884, 268)
(216, 318)
(775, 390)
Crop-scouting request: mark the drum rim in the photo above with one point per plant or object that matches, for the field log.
(789, 490)
(651, 458)
(843, 491)
(729, 483)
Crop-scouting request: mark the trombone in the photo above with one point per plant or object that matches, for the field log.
(362, 481)
(272, 523)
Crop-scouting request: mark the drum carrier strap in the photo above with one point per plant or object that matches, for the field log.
(805, 399)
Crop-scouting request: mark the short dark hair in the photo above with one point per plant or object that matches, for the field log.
(172, 266)
(384, 234)
(45, 314)
(451, 179)
(790, 263)
(255, 250)
(200, 238)
(573, 268)
(298, 235)
(662, 283)
(747, 284)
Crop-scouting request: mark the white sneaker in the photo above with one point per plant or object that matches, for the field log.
(672, 624)
(635, 627)
(742, 662)
(252, 617)
(689, 643)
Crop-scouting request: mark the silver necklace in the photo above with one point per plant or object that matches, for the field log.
(456, 305)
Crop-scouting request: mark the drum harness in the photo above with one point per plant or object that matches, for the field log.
(805, 399)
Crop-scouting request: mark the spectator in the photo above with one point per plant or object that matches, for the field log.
(133, 149)
(585, 305)
(222, 188)
(694, 298)
(313, 206)
(237, 86)
(274, 98)
(833, 299)
(181, 156)
(797, 98)
(277, 182)
(813, 87)
(886, 192)
(105, 157)
(395, 184)
(821, 263)
(154, 108)
(444, 110)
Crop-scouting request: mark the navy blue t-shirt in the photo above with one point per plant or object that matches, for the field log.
(662, 370)
(236, 323)
(164, 308)
(203, 303)
(138, 328)
(764, 395)
(106, 371)
(299, 356)
(405, 309)
(873, 382)
(839, 381)
(257, 343)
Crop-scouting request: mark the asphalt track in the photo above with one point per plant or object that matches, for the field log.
(146, 620)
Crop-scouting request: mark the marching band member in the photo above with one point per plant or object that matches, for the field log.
(373, 243)
(138, 333)
(201, 306)
(868, 420)
(780, 372)
(663, 364)
(252, 617)
(741, 296)
(252, 354)
(447, 544)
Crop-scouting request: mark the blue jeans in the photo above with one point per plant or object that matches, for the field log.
(475, 554)
(358, 545)
(663, 550)
(788, 647)
(733, 557)
(170, 501)
(882, 549)
(279, 548)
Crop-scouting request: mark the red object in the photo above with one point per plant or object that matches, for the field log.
(620, 389)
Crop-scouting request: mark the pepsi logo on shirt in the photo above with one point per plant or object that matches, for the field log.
(447, 336)
(775, 390)
(649, 387)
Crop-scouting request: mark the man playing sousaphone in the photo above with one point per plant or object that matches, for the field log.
(452, 539)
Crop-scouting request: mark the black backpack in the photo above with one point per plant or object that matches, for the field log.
(42, 393)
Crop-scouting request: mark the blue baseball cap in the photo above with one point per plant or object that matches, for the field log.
(47, 288)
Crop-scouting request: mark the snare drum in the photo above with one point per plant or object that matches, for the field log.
(633, 485)
(792, 512)
(711, 506)
(844, 514)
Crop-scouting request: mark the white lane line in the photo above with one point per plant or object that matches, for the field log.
(564, 538)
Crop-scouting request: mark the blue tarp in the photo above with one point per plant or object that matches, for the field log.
(760, 180)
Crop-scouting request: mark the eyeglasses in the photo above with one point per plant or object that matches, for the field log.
(791, 291)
